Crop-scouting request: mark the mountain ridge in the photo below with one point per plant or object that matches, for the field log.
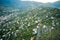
(18, 3)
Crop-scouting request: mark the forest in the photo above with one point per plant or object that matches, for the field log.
(39, 23)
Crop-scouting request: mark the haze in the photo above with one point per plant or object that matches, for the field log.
(43, 1)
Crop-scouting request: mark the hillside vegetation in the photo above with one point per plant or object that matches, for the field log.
(24, 25)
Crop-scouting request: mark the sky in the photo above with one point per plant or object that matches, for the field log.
(43, 1)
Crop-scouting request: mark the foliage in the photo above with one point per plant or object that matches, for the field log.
(23, 25)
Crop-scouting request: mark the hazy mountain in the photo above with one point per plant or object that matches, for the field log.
(56, 4)
(17, 3)
(25, 4)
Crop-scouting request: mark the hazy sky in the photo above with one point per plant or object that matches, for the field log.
(43, 1)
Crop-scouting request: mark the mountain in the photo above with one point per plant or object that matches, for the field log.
(56, 4)
(17, 3)
(25, 4)
(8, 2)
(16, 24)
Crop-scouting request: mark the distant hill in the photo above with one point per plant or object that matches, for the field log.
(56, 4)
(25, 4)
(17, 3)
